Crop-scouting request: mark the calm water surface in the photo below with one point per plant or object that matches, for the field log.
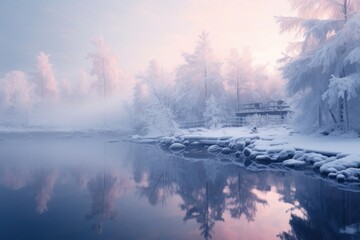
(91, 186)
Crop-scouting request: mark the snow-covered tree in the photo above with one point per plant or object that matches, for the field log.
(240, 76)
(156, 109)
(17, 96)
(139, 105)
(213, 114)
(105, 68)
(45, 81)
(322, 67)
(197, 80)
(248, 82)
(233, 76)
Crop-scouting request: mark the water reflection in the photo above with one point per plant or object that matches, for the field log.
(208, 189)
(215, 199)
(15, 178)
(241, 200)
(42, 181)
(105, 189)
(44, 184)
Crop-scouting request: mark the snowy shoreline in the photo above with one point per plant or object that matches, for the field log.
(335, 157)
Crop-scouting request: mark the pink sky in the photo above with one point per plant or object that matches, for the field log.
(137, 30)
(231, 24)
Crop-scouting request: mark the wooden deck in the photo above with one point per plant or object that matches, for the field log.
(274, 113)
(274, 108)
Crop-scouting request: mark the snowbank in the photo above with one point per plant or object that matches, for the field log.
(336, 157)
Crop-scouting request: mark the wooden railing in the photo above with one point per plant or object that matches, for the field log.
(255, 120)
(269, 108)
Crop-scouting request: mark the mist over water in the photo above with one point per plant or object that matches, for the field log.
(95, 113)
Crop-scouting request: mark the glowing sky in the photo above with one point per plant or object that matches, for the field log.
(138, 30)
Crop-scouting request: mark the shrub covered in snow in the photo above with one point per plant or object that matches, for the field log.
(213, 115)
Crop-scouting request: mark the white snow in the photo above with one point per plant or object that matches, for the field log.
(337, 156)
(351, 161)
(293, 163)
(284, 138)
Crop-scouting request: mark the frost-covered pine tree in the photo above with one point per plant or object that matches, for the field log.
(197, 80)
(105, 68)
(45, 81)
(156, 108)
(322, 69)
(213, 114)
(16, 94)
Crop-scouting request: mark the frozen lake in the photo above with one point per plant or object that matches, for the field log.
(95, 186)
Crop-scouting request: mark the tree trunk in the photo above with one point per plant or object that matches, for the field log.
(237, 90)
(320, 116)
(333, 116)
(341, 111)
(104, 92)
(205, 80)
(346, 112)
(343, 108)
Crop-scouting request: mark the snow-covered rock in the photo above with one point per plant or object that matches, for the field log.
(240, 146)
(298, 155)
(214, 149)
(294, 163)
(351, 161)
(177, 147)
(254, 154)
(247, 152)
(247, 142)
(351, 174)
(238, 154)
(263, 158)
(286, 154)
(317, 165)
(340, 177)
(312, 157)
(167, 141)
(226, 150)
(273, 150)
(332, 175)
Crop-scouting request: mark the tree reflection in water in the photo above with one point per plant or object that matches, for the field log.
(328, 209)
(241, 200)
(105, 189)
(209, 188)
(157, 185)
(210, 191)
(45, 183)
